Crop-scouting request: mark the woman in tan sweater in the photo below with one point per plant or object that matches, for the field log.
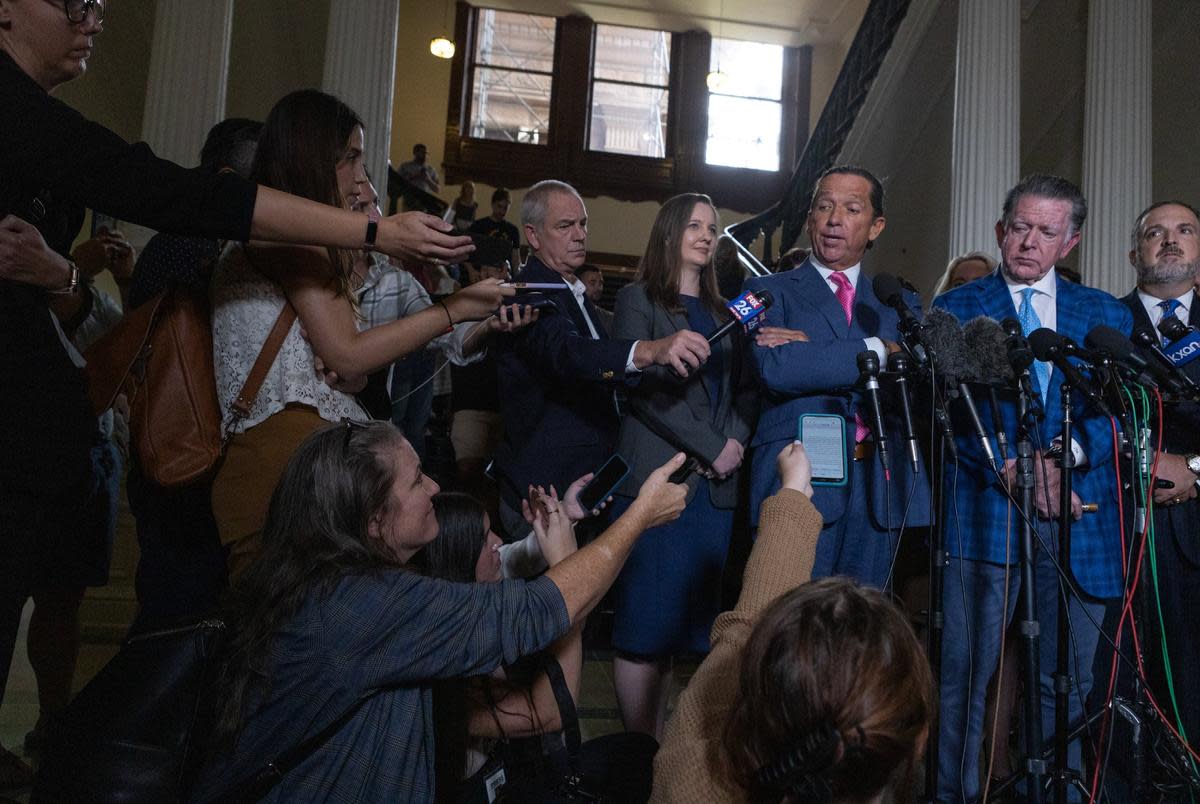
(813, 692)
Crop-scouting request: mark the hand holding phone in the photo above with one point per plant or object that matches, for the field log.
(681, 474)
(602, 486)
(824, 439)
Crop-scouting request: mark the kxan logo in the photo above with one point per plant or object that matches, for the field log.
(1185, 350)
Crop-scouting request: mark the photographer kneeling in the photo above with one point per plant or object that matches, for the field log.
(327, 621)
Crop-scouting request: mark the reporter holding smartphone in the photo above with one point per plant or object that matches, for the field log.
(669, 592)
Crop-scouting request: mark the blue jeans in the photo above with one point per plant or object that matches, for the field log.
(975, 618)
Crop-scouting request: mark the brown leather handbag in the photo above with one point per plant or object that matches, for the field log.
(161, 357)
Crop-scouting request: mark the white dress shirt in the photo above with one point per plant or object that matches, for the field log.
(1045, 300)
(1045, 304)
(852, 273)
(578, 290)
(1183, 311)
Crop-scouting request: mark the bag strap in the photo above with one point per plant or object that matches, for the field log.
(240, 407)
(255, 788)
(568, 714)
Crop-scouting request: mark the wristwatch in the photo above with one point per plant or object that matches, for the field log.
(1193, 464)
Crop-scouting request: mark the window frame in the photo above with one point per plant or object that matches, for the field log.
(566, 154)
(593, 80)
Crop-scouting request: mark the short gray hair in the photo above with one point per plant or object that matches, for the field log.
(533, 205)
(1056, 188)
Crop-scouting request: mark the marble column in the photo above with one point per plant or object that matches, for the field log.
(985, 159)
(189, 64)
(1116, 138)
(360, 68)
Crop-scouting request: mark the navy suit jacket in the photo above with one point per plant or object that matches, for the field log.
(556, 384)
(977, 509)
(1180, 435)
(821, 376)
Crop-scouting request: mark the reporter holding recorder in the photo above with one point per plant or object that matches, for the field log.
(669, 592)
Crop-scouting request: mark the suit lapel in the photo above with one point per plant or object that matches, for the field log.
(1141, 319)
(816, 291)
(996, 300)
(537, 271)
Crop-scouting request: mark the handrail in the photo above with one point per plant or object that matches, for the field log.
(880, 23)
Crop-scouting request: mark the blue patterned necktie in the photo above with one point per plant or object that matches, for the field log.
(1029, 322)
(1169, 306)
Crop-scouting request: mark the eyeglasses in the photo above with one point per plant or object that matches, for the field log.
(77, 10)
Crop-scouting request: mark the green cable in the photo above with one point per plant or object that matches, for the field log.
(1150, 538)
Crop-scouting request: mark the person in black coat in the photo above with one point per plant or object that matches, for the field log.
(54, 164)
(557, 376)
(1166, 255)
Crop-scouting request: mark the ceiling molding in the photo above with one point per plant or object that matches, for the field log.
(793, 23)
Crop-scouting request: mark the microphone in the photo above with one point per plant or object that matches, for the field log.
(945, 338)
(888, 290)
(1051, 347)
(987, 343)
(1151, 344)
(868, 367)
(898, 365)
(1145, 371)
(1020, 358)
(1184, 341)
(746, 310)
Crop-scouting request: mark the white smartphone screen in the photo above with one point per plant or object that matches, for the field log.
(824, 438)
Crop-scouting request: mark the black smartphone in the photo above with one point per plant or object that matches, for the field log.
(681, 474)
(611, 474)
(534, 299)
(101, 220)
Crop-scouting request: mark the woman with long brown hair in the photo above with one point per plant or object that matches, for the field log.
(669, 593)
(311, 146)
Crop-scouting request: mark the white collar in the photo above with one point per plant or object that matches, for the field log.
(1048, 284)
(850, 273)
(1152, 302)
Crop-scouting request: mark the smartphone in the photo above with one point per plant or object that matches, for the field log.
(611, 474)
(101, 220)
(534, 299)
(681, 474)
(824, 439)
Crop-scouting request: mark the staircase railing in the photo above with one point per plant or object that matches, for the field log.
(880, 23)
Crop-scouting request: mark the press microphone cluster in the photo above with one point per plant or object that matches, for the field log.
(960, 368)
(1052, 347)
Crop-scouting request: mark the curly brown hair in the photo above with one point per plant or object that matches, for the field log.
(835, 698)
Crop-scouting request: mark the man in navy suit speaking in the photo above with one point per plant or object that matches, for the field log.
(556, 377)
(826, 313)
(1041, 224)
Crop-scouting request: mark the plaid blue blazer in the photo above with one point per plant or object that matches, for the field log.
(976, 513)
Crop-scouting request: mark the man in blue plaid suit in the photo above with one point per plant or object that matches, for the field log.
(1041, 224)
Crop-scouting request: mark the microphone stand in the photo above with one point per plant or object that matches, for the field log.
(1035, 766)
(1064, 776)
(942, 450)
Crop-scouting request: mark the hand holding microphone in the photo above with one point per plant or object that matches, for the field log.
(687, 350)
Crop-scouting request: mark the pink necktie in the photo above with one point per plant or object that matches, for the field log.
(845, 297)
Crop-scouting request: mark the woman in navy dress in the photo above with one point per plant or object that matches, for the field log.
(669, 592)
